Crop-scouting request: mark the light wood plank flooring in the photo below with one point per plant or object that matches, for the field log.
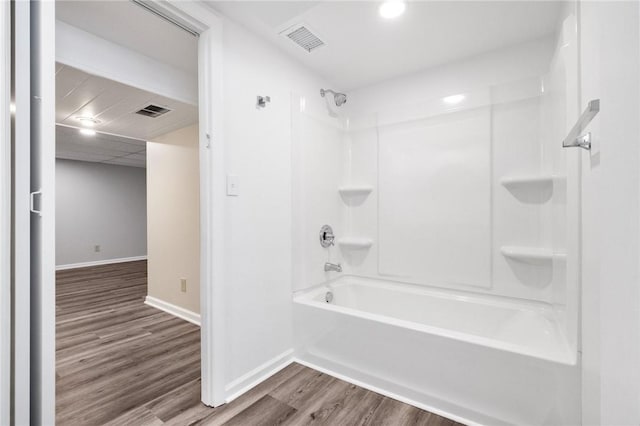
(121, 362)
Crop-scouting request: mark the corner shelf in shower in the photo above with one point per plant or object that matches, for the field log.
(530, 180)
(355, 190)
(355, 243)
(532, 254)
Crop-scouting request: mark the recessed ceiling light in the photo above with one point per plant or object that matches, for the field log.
(453, 99)
(88, 132)
(392, 9)
(87, 120)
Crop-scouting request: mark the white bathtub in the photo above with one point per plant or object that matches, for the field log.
(478, 359)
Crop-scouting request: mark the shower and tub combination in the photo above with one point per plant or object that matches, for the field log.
(446, 274)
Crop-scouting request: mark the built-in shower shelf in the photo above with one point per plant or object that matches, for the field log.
(532, 254)
(355, 190)
(355, 243)
(530, 180)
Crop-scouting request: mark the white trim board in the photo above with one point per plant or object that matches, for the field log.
(99, 262)
(174, 310)
(21, 217)
(263, 372)
(389, 394)
(258, 375)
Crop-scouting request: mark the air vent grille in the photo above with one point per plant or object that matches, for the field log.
(303, 37)
(153, 111)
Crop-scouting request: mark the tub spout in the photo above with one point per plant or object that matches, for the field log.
(332, 267)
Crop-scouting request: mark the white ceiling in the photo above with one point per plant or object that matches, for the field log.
(363, 48)
(122, 132)
(129, 25)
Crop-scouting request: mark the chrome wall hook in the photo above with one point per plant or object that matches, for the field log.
(262, 101)
(574, 139)
(583, 142)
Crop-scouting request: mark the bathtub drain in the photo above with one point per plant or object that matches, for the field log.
(328, 297)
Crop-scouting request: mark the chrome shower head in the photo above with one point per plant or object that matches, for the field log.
(339, 98)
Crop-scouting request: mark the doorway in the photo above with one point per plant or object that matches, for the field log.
(34, 392)
(127, 244)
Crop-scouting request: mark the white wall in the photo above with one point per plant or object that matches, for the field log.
(173, 227)
(258, 221)
(497, 67)
(610, 66)
(99, 204)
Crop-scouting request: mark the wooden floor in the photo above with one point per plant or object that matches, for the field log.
(121, 362)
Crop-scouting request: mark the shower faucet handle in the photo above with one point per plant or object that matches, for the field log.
(326, 236)
(330, 238)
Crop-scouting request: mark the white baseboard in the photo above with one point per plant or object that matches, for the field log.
(256, 376)
(99, 262)
(259, 374)
(392, 395)
(174, 310)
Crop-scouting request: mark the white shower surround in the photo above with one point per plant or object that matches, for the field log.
(484, 359)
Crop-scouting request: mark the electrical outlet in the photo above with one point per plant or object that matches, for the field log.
(183, 285)
(97, 248)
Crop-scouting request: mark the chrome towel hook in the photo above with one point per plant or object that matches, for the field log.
(575, 138)
(262, 101)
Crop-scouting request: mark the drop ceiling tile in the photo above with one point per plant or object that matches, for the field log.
(122, 134)
(83, 156)
(126, 162)
(136, 157)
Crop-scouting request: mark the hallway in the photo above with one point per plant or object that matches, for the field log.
(113, 352)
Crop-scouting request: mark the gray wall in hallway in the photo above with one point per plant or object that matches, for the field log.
(99, 204)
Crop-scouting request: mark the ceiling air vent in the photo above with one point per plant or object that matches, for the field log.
(303, 37)
(153, 111)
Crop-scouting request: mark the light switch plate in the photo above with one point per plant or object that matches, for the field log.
(233, 188)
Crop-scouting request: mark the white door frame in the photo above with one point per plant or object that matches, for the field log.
(42, 268)
(21, 226)
(212, 189)
(5, 213)
(209, 25)
(32, 209)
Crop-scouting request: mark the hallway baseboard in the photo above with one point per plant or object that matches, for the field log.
(99, 262)
(174, 310)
